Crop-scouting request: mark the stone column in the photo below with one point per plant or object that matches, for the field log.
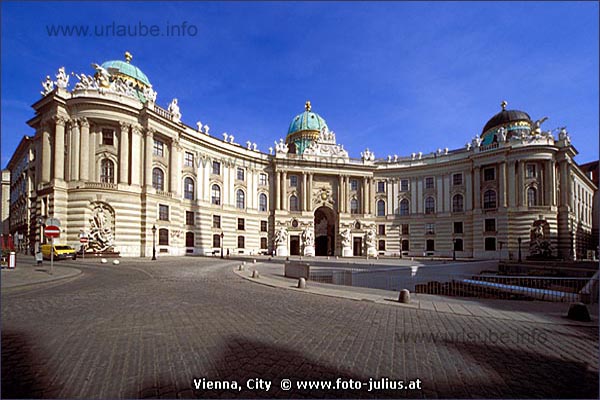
(521, 185)
(502, 184)
(92, 154)
(136, 151)
(84, 157)
(476, 188)
(304, 193)
(551, 174)
(284, 205)
(278, 190)
(148, 149)
(548, 183)
(364, 196)
(124, 153)
(174, 167)
(413, 196)
(46, 155)
(347, 194)
(512, 185)
(439, 201)
(59, 147)
(75, 150)
(310, 190)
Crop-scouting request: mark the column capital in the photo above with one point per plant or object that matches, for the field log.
(137, 129)
(83, 121)
(124, 125)
(59, 120)
(150, 132)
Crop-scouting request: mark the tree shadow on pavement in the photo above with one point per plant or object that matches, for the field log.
(23, 373)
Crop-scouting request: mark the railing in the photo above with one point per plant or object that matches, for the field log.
(164, 193)
(162, 112)
(488, 147)
(100, 185)
(558, 289)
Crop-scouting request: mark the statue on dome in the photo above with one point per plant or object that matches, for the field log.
(149, 94)
(48, 86)
(281, 147)
(174, 110)
(62, 79)
(537, 126)
(476, 142)
(102, 75)
(367, 155)
(564, 135)
(502, 134)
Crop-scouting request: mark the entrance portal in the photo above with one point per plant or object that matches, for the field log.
(295, 245)
(357, 246)
(324, 231)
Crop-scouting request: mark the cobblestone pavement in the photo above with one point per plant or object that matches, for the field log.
(143, 330)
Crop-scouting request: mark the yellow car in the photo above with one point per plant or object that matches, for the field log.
(61, 251)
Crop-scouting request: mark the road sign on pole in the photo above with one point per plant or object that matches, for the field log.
(52, 231)
(52, 221)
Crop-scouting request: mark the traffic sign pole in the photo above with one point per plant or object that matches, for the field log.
(52, 256)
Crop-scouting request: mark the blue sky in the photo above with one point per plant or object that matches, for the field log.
(397, 77)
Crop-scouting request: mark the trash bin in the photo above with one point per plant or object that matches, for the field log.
(12, 260)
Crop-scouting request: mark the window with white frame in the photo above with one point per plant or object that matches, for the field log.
(294, 180)
(159, 148)
(215, 195)
(163, 212)
(457, 179)
(188, 159)
(216, 168)
(353, 184)
(381, 187)
(404, 207)
(188, 188)
(429, 182)
(380, 208)
(429, 205)
(263, 180)
(262, 202)
(240, 199)
(404, 185)
(429, 228)
(240, 174)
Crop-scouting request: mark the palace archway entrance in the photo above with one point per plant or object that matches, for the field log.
(325, 222)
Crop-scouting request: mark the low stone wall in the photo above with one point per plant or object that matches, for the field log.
(296, 269)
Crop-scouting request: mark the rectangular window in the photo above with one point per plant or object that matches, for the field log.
(531, 172)
(163, 237)
(430, 245)
(163, 212)
(263, 226)
(263, 243)
(159, 148)
(490, 225)
(217, 221)
(189, 218)
(490, 244)
(241, 242)
(381, 229)
(458, 227)
(404, 185)
(381, 245)
(405, 229)
(457, 179)
(429, 229)
(108, 137)
(405, 245)
(240, 174)
(489, 174)
(294, 180)
(353, 184)
(262, 180)
(458, 245)
(381, 187)
(216, 168)
(216, 240)
(429, 183)
(241, 224)
(188, 160)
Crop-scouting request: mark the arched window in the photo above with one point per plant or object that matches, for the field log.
(293, 203)
(404, 207)
(163, 237)
(458, 203)
(380, 208)
(107, 171)
(188, 188)
(531, 197)
(489, 199)
(429, 205)
(262, 202)
(354, 206)
(158, 179)
(240, 199)
(189, 239)
(215, 195)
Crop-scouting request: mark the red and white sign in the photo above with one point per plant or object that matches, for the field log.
(52, 231)
(83, 239)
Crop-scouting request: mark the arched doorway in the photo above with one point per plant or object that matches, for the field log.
(324, 231)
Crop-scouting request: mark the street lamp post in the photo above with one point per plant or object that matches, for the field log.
(500, 254)
(222, 236)
(453, 249)
(400, 246)
(519, 240)
(153, 242)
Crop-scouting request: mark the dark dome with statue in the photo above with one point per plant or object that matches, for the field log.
(514, 121)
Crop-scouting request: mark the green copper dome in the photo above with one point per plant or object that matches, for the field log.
(307, 121)
(124, 68)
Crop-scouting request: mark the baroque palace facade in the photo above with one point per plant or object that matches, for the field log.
(111, 164)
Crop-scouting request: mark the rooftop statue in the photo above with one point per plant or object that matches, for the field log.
(62, 79)
(174, 110)
(48, 86)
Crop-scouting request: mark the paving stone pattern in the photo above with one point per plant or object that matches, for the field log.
(146, 330)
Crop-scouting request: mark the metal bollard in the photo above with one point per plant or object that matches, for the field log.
(240, 267)
(255, 274)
